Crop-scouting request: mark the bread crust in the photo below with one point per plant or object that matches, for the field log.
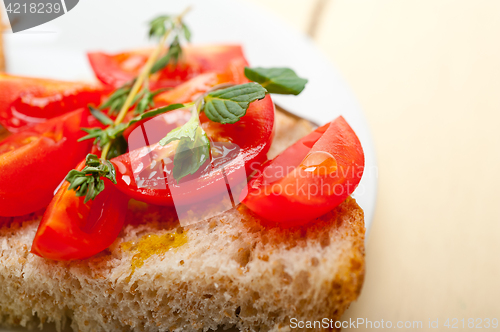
(227, 271)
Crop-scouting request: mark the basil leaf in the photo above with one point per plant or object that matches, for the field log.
(188, 130)
(277, 80)
(193, 149)
(191, 154)
(230, 104)
(100, 116)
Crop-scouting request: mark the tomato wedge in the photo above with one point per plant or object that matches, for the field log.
(235, 147)
(116, 69)
(26, 101)
(309, 178)
(73, 230)
(34, 161)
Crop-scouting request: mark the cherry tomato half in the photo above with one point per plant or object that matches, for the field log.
(116, 69)
(235, 147)
(309, 178)
(26, 101)
(34, 161)
(72, 230)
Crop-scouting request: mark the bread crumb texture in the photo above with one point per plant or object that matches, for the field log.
(157, 276)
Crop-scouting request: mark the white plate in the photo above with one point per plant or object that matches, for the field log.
(57, 50)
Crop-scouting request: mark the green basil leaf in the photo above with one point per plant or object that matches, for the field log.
(193, 149)
(188, 130)
(191, 154)
(230, 104)
(277, 80)
(100, 116)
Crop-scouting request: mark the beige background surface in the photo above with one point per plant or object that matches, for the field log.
(427, 74)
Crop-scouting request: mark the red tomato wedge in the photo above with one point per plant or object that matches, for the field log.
(34, 161)
(26, 101)
(145, 172)
(116, 69)
(73, 230)
(309, 178)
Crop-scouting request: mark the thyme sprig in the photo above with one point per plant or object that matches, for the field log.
(88, 182)
(170, 27)
(226, 104)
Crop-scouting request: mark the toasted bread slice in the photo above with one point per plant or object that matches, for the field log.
(158, 276)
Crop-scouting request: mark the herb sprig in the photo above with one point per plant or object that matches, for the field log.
(225, 104)
(230, 104)
(88, 182)
(144, 99)
(193, 149)
(171, 26)
(104, 136)
(158, 28)
(277, 80)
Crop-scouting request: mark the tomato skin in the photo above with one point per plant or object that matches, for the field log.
(117, 69)
(34, 161)
(73, 230)
(252, 134)
(26, 101)
(285, 193)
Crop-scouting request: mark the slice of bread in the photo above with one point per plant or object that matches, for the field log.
(158, 276)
